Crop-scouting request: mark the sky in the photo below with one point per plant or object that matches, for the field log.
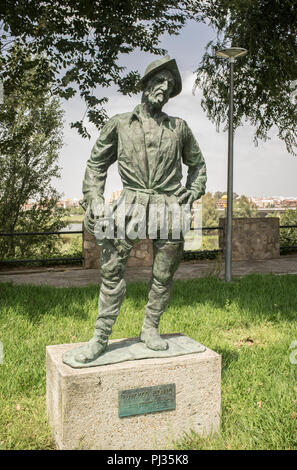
(262, 171)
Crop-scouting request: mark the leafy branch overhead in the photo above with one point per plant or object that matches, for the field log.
(265, 80)
(83, 41)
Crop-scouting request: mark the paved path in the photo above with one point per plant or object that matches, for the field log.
(74, 276)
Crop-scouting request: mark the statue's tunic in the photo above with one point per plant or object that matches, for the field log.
(150, 153)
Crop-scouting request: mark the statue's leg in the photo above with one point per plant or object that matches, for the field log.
(167, 256)
(114, 255)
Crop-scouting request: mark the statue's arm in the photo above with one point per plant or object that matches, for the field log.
(103, 154)
(193, 158)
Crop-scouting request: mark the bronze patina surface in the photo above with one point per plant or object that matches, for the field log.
(150, 148)
(132, 349)
(139, 401)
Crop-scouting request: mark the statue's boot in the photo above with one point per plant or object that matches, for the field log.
(167, 256)
(110, 300)
(159, 295)
(114, 255)
(150, 334)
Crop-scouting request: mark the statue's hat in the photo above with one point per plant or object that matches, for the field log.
(163, 64)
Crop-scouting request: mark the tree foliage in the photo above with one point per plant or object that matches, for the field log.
(265, 80)
(210, 214)
(243, 207)
(83, 40)
(30, 139)
(288, 236)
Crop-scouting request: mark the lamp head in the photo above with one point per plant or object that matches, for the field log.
(231, 53)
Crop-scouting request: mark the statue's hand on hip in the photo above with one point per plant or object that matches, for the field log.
(185, 196)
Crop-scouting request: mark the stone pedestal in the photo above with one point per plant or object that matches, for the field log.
(252, 238)
(91, 251)
(83, 404)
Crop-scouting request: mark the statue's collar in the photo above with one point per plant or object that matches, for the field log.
(137, 113)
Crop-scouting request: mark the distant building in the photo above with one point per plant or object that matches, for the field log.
(275, 202)
(262, 203)
(289, 203)
(222, 203)
(68, 203)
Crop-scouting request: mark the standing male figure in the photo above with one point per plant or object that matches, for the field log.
(150, 147)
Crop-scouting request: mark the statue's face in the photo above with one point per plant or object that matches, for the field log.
(159, 88)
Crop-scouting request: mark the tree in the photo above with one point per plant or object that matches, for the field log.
(218, 194)
(83, 40)
(288, 236)
(30, 139)
(265, 80)
(243, 207)
(210, 215)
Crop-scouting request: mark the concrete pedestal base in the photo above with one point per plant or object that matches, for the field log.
(83, 407)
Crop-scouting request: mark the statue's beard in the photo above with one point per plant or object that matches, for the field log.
(156, 98)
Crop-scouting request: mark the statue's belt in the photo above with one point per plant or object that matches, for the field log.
(150, 191)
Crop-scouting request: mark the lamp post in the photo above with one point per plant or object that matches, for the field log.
(231, 53)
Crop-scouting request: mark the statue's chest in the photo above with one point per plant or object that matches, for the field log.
(147, 141)
(152, 133)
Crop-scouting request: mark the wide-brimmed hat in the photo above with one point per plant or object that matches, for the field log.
(163, 64)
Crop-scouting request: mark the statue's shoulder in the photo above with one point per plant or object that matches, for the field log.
(111, 125)
(122, 117)
(177, 123)
(117, 121)
(177, 120)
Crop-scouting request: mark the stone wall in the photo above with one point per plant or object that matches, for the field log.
(91, 251)
(141, 254)
(252, 238)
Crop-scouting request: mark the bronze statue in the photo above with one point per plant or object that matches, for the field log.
(150, 147)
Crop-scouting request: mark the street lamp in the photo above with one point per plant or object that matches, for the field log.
(231, 53)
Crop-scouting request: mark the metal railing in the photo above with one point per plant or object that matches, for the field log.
(187, 254)
(202, 254)
(41, 260)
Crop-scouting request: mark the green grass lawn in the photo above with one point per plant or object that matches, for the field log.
(251, 322)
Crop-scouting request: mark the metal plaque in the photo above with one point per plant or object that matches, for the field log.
(139, 401)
